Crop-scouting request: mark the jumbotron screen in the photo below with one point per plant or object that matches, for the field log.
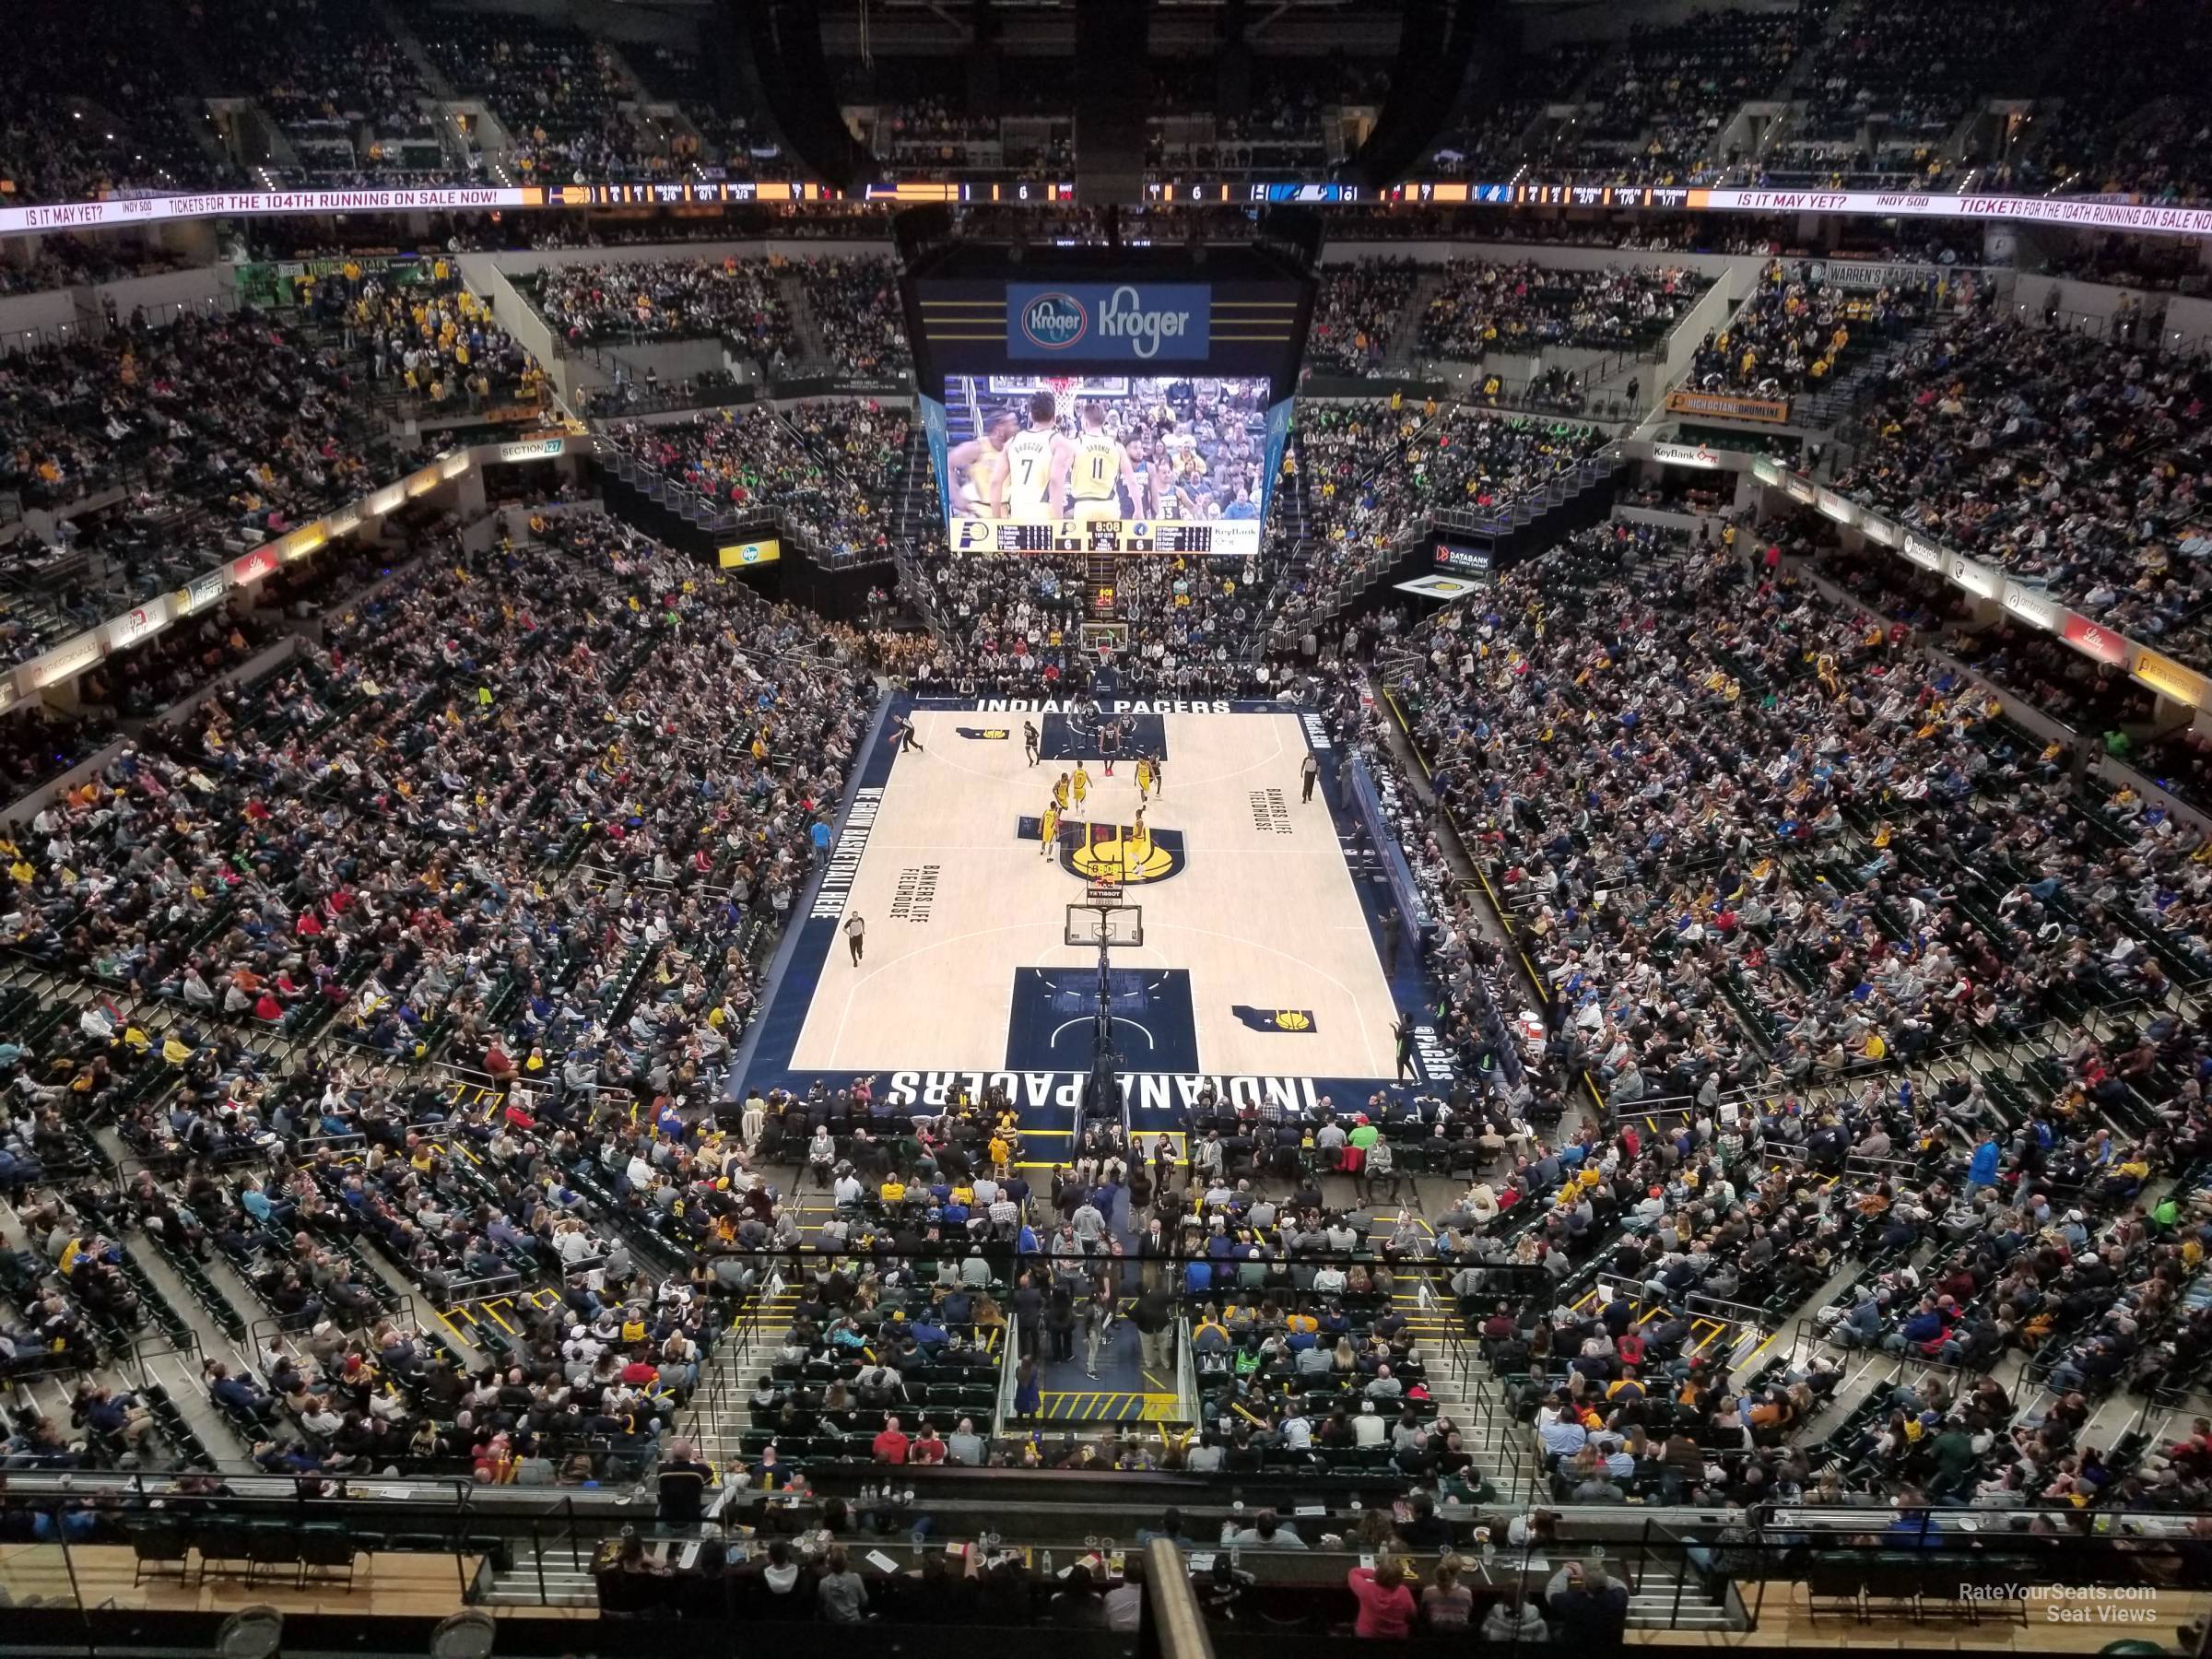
(1108, 462)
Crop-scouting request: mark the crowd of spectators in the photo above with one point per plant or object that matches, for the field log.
(1788, 336)
(224, 430)
(1014, 624)
(829, 468)
(94, 105)
(1495, 149)
(557, 93)
(1664, 103)
(1916, 74)
(1482, 305)
(301, 854)
(856, 309)
(2067, 461)
(1786, 920)
(1757, 846)
(592, 302)
(347, 93)
(1356, 309)
(37, 743)
(1371, 472)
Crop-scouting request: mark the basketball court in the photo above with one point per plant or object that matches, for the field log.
(1259, 965)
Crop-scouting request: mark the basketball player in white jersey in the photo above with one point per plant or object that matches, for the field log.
(1099, 469)
(1037, 461)
(978, 464)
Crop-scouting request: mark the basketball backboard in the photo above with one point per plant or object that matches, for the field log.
(1105, 922)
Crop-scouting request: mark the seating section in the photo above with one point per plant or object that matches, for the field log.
(1493, 148)
(349, 97)
(2009, 442)
(829, 469)
(1481, 306)
(224, 430)
(1355, 314)
(855, 307)
(1793, 331)
(558, 94)
(1879, 96)
(669, 300)
(1913, 77)
(1365, 476)
(94, 101)
(1186, 136)
(1663, 103)
(589, 959)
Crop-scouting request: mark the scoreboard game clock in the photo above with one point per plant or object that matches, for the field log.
(1235, 538)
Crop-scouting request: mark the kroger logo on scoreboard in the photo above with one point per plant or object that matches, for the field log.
(1101, 322)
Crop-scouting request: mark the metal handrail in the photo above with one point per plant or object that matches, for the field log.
(1009, 1370)
(1173, 1629)
(1187, 1373)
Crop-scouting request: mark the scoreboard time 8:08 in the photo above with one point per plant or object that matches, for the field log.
(1097, 535)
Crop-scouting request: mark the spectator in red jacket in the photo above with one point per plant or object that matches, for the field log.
(891, 1444)
(1386, 1605)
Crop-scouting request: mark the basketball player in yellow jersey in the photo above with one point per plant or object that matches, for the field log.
(1048, 830)
(1037, 463)
(1099, 467)
(979, 465)
(1144, 779)
(1060, 793)
(1080, 782)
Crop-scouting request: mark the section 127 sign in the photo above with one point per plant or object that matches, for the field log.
(1101, 322)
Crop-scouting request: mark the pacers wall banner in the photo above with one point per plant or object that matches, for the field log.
(984, 733)
(1299, 1020)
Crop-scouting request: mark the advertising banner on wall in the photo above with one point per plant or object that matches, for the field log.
(2094, 639)
(1720, 405)
(253, 566)
(1976, 578)
(1923, 552)
(134, 626)
(199, 593)
(1698, 455)
(2032, 604)
(62, 662)
(2169, 679)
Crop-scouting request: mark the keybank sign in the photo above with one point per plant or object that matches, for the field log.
(1100, 322)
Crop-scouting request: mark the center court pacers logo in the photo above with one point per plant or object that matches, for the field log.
(1112, 851)
(1055, 322)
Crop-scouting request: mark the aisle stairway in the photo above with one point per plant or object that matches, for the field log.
(719, 1410)
(1406, 334)
(1503, 1449)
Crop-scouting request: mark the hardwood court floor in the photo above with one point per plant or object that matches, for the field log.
(957, 904)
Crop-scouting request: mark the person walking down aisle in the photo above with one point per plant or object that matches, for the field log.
(1155, 1317)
